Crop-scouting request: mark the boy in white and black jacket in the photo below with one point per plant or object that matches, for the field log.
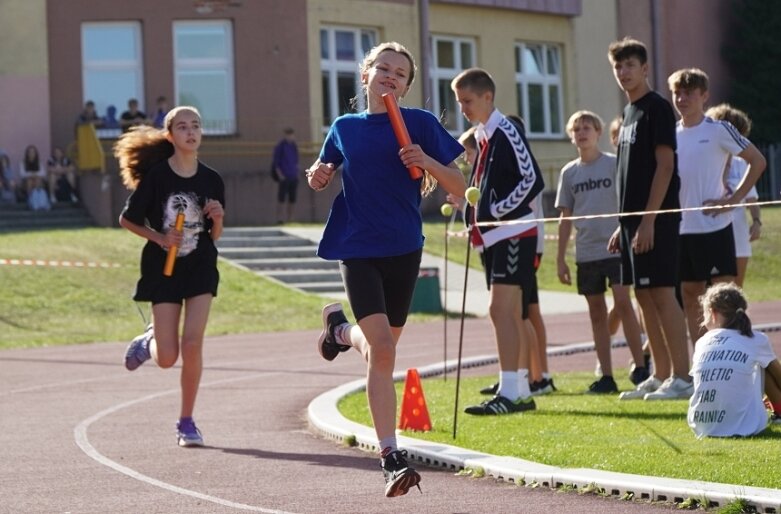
(509, 179)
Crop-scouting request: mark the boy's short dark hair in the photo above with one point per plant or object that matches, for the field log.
(476, 80)
(625, 48)
(688, 79)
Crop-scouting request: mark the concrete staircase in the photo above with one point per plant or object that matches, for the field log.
(15, 217)
(277, 254)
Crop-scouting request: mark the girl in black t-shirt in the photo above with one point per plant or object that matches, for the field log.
(162, 170)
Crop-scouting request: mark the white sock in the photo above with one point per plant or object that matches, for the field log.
(388, 443)
(508, 385)
(340, 334)
(523, 383)
(546, 375)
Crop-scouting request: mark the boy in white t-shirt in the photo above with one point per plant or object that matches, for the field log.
(707, 247)
(732, 367)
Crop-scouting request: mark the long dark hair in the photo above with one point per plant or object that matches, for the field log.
(33, 164)
(729, 301)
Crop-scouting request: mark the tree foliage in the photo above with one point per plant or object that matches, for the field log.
(753, 52)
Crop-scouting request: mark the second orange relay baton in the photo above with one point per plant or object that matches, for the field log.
(168, 270)
(400, 129)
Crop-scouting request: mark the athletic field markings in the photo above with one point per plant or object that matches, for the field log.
(82, 440)
(58, 264)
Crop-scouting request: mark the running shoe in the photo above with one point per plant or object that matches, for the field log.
(333, 316)
(673, 388)
(605, 385)
(639, 375)
(540, 387)
(491, 389)
(399, 476)
(137, 351)
(501, 405)
(187, 434)
(650, 385)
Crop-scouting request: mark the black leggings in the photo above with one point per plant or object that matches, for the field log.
(382, 285)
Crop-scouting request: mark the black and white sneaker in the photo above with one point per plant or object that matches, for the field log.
(605, 385)
(399, 476)
(333, 316)
(639, 375)
(491, 389)
(501, 405)
(541, 387)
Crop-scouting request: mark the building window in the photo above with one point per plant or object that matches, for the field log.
(203, 72)
(451, 56)
(341, 50)
(538, 79)
(112, 71)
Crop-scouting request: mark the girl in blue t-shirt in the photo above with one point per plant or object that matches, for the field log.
(161, 168)
(375, 230)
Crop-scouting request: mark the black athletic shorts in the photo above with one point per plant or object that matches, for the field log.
(593, 275)
(288, 189)
(708, 256)
(512, 262)
(194, 274)
(531, 294)
(382, 285)
(657, 268)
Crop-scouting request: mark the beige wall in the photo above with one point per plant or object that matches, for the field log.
(495, 32)
(593, 84)
(394, 21)
(24, 118)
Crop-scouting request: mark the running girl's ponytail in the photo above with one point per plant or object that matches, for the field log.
(728, 300)
(138, 150)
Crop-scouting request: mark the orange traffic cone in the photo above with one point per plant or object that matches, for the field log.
(414, 413)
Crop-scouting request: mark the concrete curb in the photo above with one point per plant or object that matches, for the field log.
(325, 418)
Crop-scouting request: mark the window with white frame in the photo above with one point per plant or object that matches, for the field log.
(452, 55)
(203, 72)
(341, 50)
(112, 71)
(538, 77)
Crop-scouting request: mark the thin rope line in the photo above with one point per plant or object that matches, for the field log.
(725, 208)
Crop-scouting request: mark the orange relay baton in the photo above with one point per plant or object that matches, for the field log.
(168, 270)
(400, 129)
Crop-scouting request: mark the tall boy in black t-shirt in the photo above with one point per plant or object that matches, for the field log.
(648, 181)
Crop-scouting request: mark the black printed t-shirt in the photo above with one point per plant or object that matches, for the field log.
(160, 195)
(649, 122)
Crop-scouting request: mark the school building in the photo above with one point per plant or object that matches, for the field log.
(254, 67)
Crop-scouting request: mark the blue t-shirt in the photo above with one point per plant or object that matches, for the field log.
(377, 212)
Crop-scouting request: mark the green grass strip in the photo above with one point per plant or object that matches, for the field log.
(571, 429)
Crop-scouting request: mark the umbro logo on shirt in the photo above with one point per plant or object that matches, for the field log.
(703, 141)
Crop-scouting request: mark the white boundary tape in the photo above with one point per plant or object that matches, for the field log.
(463, 233)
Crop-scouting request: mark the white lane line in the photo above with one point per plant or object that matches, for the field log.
(82, 440)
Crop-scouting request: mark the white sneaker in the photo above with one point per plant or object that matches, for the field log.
(649, 385)
(673, 388)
